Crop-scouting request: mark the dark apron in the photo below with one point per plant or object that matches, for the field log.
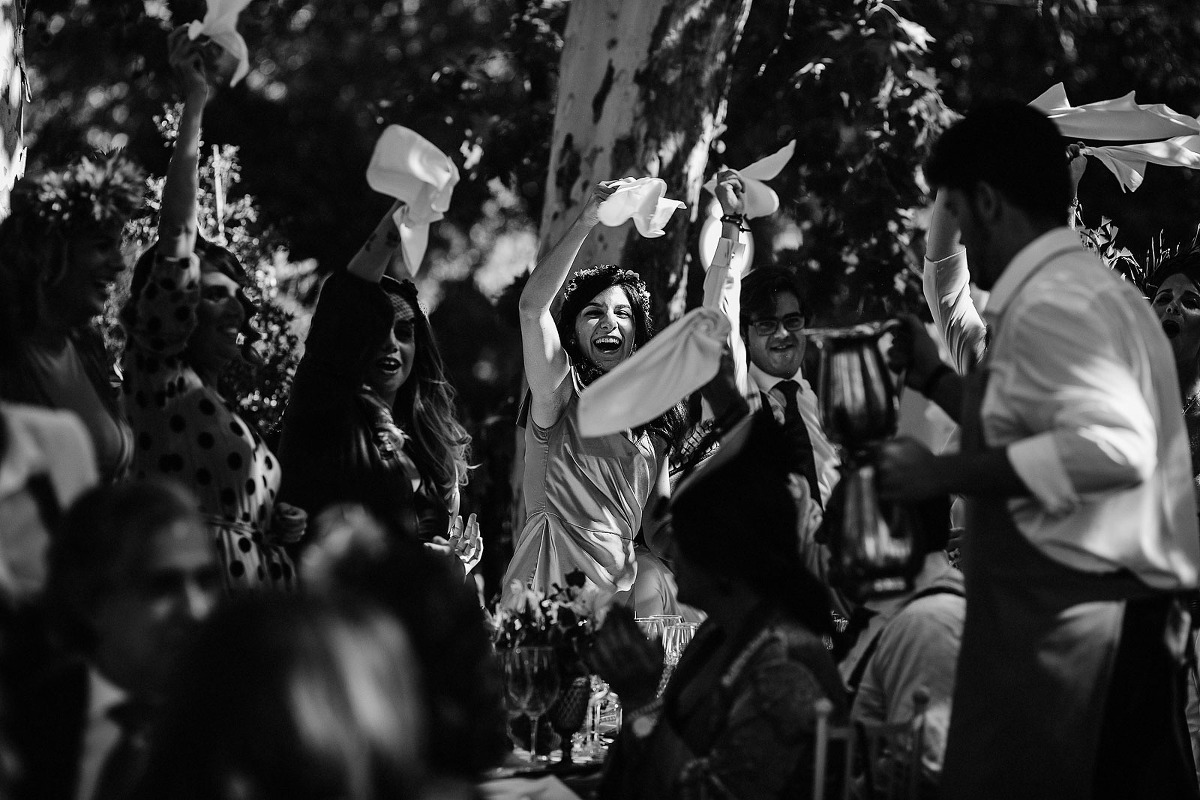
(1038, 649)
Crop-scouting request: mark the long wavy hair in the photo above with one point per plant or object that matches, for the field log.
(215, 256)
(580, 291)
(425, 404)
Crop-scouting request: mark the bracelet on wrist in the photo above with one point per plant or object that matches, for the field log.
(736, 219)
(935, 377)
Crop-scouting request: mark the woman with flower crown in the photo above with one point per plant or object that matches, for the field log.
(60, 251)
(371, 415)
(584, 497)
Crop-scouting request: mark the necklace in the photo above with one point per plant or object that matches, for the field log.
(1191, 404)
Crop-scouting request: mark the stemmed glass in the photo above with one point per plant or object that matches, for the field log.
(675, 639)
(651, 627)
(532, 677)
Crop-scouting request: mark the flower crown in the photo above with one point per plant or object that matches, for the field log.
(91, 191)
(618, 275)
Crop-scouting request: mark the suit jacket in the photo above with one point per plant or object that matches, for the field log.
(49, 720)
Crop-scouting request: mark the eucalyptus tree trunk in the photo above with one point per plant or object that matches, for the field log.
(641, 92)
(12, 101)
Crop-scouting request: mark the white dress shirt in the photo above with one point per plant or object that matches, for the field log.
(101, 734)
(1084, 397)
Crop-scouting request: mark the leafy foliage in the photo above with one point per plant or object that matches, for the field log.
(847, 79)
(274, 280)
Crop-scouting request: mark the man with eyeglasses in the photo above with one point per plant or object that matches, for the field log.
(772, 325)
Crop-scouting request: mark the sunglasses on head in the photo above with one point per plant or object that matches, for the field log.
(768, 325)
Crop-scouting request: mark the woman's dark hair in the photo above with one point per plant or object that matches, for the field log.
(292, 698)
(425, 403)
(1013, 148)
(1185, 262)
(216, 257)
(736, 515)
(580, 291)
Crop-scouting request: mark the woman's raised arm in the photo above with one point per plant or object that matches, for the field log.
(546, 364)
(371, 261)
(180, 197)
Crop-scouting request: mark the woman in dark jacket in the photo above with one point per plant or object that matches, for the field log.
(371, 417)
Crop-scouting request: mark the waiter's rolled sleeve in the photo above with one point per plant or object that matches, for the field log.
(1036, 461)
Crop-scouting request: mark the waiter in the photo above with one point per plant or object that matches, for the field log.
(1081, 524)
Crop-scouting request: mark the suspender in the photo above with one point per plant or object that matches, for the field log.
(860, 669)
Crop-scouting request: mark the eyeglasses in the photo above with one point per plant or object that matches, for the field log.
(768, 325)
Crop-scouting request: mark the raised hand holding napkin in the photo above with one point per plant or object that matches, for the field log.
(408, 167)
(639, 199)
(1175, 137)
(761, 200)
(220, 25)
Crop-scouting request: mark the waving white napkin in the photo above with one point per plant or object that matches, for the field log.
(761, 200)
(1166, 136)
(220, 25)
(640, 199)
(675, 363)
(407, 166)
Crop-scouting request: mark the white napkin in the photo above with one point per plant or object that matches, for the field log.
(1176, 137)
(220, 25)
(406, 166)
(761, 200)
(678, 361)
(640, 199)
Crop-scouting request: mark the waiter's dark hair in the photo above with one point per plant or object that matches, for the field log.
(1014, 149)
(761, 286)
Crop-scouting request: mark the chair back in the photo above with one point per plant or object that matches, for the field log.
(881, 760)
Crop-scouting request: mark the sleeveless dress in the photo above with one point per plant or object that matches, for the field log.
(184, 430)
(583, 500)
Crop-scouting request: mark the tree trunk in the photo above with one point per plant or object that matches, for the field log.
(641, 92)
(12, 101)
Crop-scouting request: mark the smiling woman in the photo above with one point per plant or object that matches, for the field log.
(61, 252)
(187, 319)
(1175, 296)
(371, 416)
(585, 497)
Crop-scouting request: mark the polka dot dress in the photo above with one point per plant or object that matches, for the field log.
(185, 431)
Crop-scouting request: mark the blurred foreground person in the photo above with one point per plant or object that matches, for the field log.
(292, 698)
(132, 574)
(736, 718)
(353, 554)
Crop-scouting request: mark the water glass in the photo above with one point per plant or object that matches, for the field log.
(652, 627)
(534, 673)
(676, 639)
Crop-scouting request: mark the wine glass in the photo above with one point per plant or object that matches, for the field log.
(676, 639)
(517, 689)
(538, 670)
(651, 627)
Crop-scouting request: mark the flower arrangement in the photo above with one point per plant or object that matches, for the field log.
(564, 619)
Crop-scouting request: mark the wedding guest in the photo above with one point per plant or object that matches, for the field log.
(1081, 521)
(289, 697)
(60, 250)
(353, 553)
(916, 649)
(585, 498)
(736, 718)
(131, 574)
(187, 319)
(371, 417)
